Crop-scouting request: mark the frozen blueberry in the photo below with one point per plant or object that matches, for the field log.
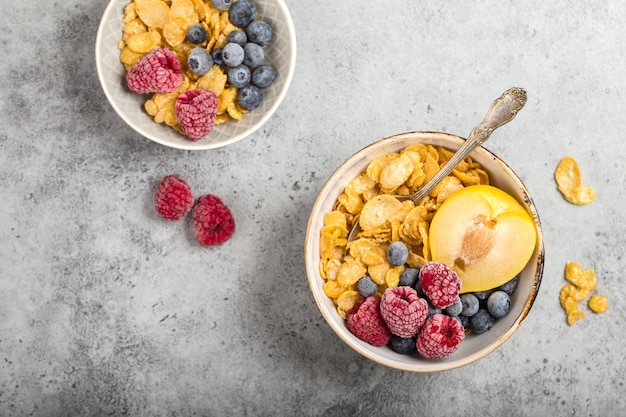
(232, 54)
(241, 13)
(253, 55)
(196, 34)
(249, 96)
(263, 76)
(403, 345)
(397, 253)
(481, 321)
(259, 32)
(432, 311)
(366, 286)
(482, 297)
(239, 76)
(465, 321)
(237, 36)
(410, 277)
(454, 309)
(199, 61)
(499, 304)
(216, 54)
(510, 286)
(470, 304)
(222, 4)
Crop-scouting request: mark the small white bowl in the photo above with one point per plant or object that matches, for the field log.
(475, 346)
(281, 53)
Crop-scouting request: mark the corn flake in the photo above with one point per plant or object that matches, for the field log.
(581, 284)
(569, 182)
(598, 303)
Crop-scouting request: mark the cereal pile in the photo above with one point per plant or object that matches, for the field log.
(384, 219)
(384, 283)
(218, 47)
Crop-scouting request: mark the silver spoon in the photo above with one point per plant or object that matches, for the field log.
(502, 111)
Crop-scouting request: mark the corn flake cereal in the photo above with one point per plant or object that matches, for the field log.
(150, 24)
(580, 285)
(569, 182)
(598, 303)
(384, 219)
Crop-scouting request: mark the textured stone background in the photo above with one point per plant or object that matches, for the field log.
(106, 310)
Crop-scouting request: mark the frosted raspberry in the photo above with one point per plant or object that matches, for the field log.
(213, 223)
(403, 311)
(195, 112)
(173, 198)
(440, 284)
(439, 337)
(366, 323)
(157, 72)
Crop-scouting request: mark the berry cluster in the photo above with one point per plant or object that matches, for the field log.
(426, 313)
(212, 222)
(242, 59)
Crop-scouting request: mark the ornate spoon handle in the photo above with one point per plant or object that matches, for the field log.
(502, 111)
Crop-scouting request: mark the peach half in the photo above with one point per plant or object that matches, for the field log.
(484, 235)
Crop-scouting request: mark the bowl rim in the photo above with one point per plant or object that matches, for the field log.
(312, 265)
(188, 144)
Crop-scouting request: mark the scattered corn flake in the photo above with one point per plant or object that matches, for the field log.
(598, 303)
(581, 284)
(569, 182)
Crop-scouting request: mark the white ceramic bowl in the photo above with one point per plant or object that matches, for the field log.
(475, 346)
(281, 53)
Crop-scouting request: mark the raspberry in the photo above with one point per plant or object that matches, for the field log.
(403, 311)
(213, 223)
(173, 198)
(440, 284)
(195, 112)
(366, 323)
(157, 72)
(439, 337)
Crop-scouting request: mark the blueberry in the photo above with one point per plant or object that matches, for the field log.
(239, 76)
(222, 4)
(253, 55)
(481, 321)
(499, 304)
(403, 345)
(410, 277)
(216, 54)
(465, 321)
(232, 54)
(432, 311)
(482, 297)
(454, 309)
(196, 34)
(366, 286)
(510, 286)
(249, 96)
(199, 61)
(259, 32)
(263, 76)
(241, 13)
(470, 304)
(237, 36)
(397, 253)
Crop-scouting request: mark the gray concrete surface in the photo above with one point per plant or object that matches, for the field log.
(106, 310)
